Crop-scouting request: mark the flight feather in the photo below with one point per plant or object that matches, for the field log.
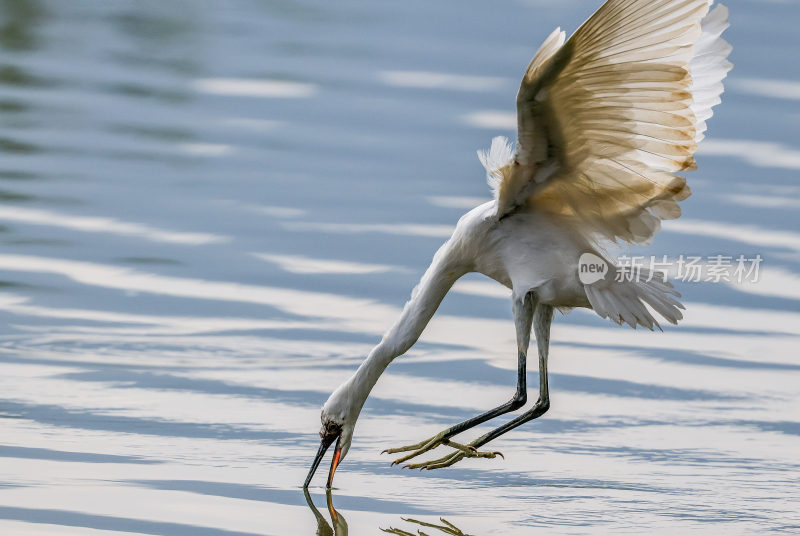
(608, 118)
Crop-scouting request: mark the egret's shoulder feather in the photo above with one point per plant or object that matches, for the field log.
(498, 156)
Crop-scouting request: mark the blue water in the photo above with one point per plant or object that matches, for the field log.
(210, 211)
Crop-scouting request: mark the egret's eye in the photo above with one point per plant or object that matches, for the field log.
(330, 428)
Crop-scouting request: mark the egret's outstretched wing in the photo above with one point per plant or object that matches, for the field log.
(607, 118)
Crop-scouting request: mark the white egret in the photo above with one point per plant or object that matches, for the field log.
(604, 120)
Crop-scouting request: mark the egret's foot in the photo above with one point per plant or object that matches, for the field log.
(471, 452)
(438, 463)
(418, 448)
(462, 451)
(415, 446)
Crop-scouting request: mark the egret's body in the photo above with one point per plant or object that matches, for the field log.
(605, 120)
(526, 251)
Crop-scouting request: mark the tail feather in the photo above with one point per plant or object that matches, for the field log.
(663, 304)
(627, 301)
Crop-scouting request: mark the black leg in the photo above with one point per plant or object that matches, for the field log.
(542, 321)
(543, 317)
(523, 315)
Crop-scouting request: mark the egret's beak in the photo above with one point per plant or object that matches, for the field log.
(337, 456)
(323, 448)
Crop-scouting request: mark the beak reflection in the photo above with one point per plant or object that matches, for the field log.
(323, 528)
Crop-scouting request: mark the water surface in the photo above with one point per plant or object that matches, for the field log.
(210, 211)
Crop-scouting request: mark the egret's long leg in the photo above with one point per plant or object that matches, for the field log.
(523, 309)
(543, 317)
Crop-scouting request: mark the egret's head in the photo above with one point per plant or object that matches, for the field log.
(339, 416)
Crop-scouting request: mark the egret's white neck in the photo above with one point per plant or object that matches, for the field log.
(425, 299)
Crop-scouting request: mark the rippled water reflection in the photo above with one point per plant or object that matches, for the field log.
(210, 211)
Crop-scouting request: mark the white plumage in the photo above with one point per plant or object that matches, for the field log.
(708, 68)
(606, 120)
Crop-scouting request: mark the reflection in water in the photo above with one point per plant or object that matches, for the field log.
(299, 264)
(340, 524)
(762, 201)
(433, 80)
(95, 224)
(446, 527)
(491, 119)
(406, 229)
(458, 202)
(754, 152)
(338, 520)
(255, 88)
(752, 235)
(777, 89)
(20, 18)
(160, 35)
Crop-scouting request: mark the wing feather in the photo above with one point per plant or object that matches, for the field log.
(606, 118)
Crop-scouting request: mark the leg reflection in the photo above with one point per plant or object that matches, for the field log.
(446, 527)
